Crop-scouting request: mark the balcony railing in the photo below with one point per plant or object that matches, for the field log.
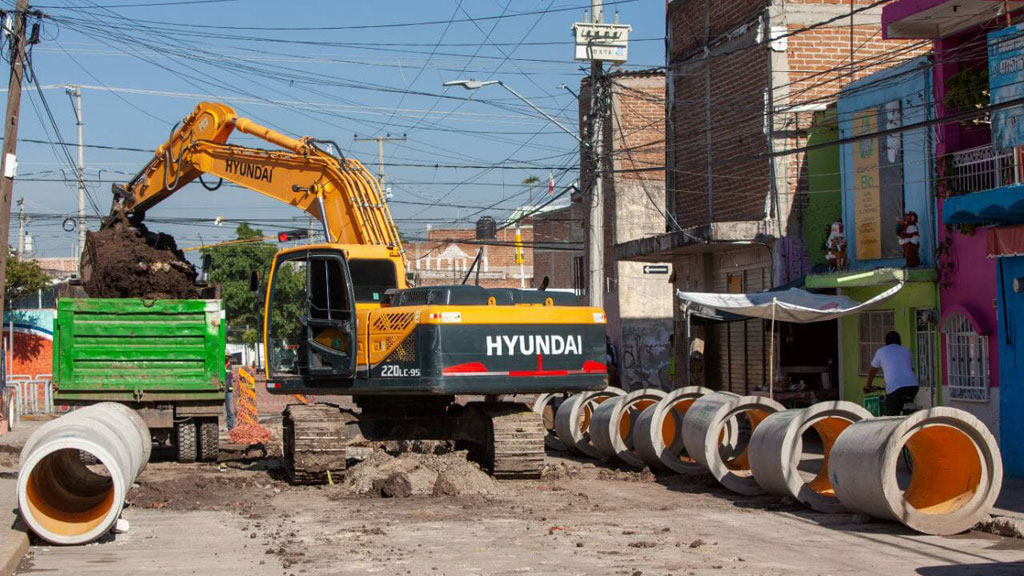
(983, 168)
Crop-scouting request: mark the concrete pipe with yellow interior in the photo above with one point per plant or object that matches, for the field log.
(574, 416)
(956, 467)
(66, 501)
(658, 435)
(615, 423)
(707, 439)
(546, 405)
(785, 466)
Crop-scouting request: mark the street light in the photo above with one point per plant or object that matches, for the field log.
(477, 84)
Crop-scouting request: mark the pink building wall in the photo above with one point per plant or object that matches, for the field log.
(967, 277)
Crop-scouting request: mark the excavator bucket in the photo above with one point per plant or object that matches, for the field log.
(125, 260)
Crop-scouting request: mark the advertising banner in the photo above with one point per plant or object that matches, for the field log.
(878, 182)
(866, 208)
(1006, 83)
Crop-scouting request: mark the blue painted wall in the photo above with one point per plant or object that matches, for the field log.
(1011, 365)
(911, 84)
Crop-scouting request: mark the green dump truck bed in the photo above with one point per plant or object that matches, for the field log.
(132, 350)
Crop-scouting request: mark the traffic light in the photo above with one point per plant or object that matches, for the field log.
(289, 235)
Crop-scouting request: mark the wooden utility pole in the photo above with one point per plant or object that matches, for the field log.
(9, 159)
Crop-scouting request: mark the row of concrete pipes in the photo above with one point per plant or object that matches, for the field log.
(753, 445)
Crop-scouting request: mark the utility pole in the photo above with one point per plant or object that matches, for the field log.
(380, 140)
(9, 159)
(75, 92)
(21, 228)
(596, 236)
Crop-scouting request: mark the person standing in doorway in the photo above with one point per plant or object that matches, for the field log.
(896, 364)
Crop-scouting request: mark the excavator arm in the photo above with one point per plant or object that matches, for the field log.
(339, 192)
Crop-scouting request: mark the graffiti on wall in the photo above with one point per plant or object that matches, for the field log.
(645, 357)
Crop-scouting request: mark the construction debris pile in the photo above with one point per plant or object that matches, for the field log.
(126, 260)
(752, 445)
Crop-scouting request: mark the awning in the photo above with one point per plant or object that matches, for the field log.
(793, 305)
(1005, 241)
(997, 206)
(938, 18)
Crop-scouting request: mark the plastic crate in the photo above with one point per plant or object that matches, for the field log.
(875, 405)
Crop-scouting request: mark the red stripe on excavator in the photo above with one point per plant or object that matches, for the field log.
(591, 367)
(467, 368)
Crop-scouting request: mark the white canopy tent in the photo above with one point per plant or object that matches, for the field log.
(792, 305)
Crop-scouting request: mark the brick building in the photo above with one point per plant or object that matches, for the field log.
(447, 253)
(735, 197)
(637, 297)
(562, 263)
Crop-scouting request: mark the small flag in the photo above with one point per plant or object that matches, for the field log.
(551, 183)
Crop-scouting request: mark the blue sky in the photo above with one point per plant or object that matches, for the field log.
(325, 69)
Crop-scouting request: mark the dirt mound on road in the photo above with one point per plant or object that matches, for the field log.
(122, 260)
(416, 474)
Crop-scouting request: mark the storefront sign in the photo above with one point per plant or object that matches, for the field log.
(878, 182)
(867, 214)
(1006, 83)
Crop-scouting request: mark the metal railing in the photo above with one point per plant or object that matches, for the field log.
(983, 168)
(28, 395)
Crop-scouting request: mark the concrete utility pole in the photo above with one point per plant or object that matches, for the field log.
(9, 159)
(596, 236)
(380, 140)
(75, 92)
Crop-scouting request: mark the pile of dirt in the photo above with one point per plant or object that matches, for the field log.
(418, 474)
(123, 260)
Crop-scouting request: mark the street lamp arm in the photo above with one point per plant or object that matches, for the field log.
(539, 111)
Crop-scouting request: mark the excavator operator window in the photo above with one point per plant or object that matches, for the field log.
(372, 278)
(310, 320)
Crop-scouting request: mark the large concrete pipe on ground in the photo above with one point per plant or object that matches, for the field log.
(707, 439)
(614, 423)
(658, 435)
(574, 417)
(545, 405)
(63, 499)
(957, 470)
(778, 459)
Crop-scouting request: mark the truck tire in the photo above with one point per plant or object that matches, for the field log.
(209, 439)
(185, 440)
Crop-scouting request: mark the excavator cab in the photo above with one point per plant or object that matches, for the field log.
(310, 317)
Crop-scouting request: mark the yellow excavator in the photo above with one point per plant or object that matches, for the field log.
(340, 318)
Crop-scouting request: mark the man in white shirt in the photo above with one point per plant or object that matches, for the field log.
(897, 369)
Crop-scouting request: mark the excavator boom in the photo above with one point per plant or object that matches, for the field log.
(339, 192)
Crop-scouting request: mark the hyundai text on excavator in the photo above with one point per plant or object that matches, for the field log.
(340, 318)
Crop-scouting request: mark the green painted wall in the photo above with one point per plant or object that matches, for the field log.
(913, 296)
(824, 184)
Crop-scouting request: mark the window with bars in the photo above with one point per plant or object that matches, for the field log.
(874, 325)
(967, 374)
(925, 347)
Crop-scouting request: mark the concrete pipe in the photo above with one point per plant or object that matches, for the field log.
(956, 477)
(612, 431)
(658, 436)
(777, 452)
(64, 500)
(574, 416)
(706, 437)
(544, 405)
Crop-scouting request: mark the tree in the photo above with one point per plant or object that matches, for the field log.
(231, 266)
(529, 181)
(24, 277)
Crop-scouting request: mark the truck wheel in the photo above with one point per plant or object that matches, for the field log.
(185, 442)
(209, 439)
